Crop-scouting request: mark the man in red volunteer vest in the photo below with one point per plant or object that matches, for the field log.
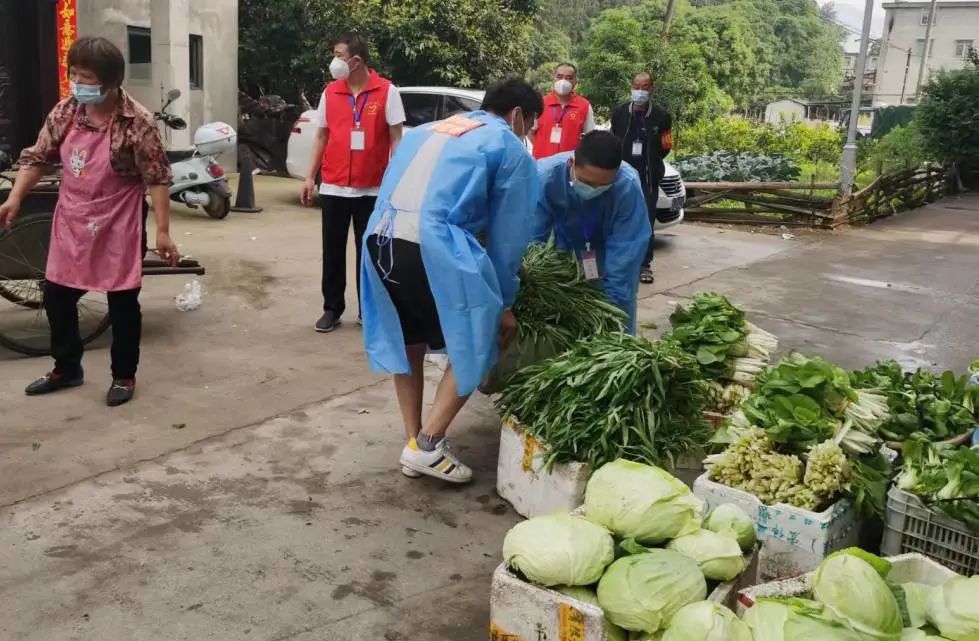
(566, 118)
(360, 119)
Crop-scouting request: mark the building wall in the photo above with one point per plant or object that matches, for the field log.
(784, 111)
(215, 20)
(903, 27)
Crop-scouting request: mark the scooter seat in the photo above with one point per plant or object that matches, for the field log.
(177, 155)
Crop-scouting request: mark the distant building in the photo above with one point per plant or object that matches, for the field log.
(954, 33)
(190, 45)
(790, 110)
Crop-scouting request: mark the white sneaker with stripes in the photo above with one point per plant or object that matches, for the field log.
(440, 463)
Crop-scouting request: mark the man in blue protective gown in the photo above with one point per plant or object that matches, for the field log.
(593, 204)
(428, 283)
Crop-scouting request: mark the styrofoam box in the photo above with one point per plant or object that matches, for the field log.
(793, 540)
(905, 568)
(522, 480)
(520, 611)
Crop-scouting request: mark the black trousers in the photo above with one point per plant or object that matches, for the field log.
(61, 305)
(651, 192)
(338, 213)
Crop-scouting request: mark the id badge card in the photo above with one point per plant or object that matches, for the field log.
(637, 148)
(358, 139)
(556, 136)
(589, 263)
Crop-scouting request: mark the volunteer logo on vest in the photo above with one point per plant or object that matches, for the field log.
(77, 163)
(572, 115)
(372, 108)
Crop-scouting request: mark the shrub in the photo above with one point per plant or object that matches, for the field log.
(901, 148)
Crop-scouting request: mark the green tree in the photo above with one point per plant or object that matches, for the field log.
(286, 45)
(948, 116)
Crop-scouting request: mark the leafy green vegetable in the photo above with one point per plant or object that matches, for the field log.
(559, 549)
(725, 345)
(610, 397)
(922, 405)
(945, 477)
(706, 621)
(642, 592)
(743, 167)
(641, 502)
(555, 308)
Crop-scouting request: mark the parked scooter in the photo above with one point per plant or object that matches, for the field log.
(198, 179)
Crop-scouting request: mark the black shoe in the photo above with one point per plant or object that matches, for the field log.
(646, 275)
(53, 382)
(121, 392)
(327, 322)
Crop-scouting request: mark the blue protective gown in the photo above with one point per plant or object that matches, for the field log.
(455, 188)
(615, 223)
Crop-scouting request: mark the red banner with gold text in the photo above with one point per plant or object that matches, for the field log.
(67, 18)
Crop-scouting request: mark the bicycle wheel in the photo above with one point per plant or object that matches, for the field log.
(24, 327)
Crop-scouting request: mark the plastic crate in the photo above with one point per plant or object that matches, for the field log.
(911, 526)
(905, 568)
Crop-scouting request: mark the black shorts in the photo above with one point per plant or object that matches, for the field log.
(405, 279)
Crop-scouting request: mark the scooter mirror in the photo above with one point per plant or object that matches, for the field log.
(173, 94)
(177, 123)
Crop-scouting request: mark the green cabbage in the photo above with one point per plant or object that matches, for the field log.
(730, 520)
(706, 621)
(916, 597)
(953, 608)
(857, 594)
(719, 556)
(641, 502)
(914, 634)
(559, 549)
(587, 595)
(642, 592)
(795, 620)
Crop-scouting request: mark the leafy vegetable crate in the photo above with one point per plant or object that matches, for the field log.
(911, 526)
(906, 568)
(520, 611)
(793, 540)
(522, 480)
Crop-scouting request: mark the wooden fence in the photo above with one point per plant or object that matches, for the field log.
(819, 205)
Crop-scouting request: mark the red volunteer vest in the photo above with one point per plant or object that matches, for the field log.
(571, 119)
(342, 165)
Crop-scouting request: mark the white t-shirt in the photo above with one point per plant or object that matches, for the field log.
(589, 122)
(394, 114)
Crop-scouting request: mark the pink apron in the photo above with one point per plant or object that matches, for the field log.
(96, 235)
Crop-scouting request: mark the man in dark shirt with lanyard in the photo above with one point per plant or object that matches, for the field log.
(647, 138)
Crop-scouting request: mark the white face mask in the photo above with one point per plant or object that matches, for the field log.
(339, 69)
(562, 87)
(518, 117)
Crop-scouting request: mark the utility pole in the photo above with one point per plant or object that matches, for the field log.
(667, 21)
(849, 165)
(926, 50)
(904, 85)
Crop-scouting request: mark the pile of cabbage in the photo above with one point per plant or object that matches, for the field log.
(643, 551)
(853, 598)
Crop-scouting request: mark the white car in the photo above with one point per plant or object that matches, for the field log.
(426, 104)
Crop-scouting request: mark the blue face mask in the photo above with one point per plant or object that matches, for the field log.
(587, 192)
(87, 94)
(640, 96)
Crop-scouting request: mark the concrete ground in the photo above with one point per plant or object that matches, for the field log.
(251, 491)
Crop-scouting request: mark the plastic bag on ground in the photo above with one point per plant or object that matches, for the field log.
(190, 298)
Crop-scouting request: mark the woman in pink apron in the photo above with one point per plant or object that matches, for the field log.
(111, 153)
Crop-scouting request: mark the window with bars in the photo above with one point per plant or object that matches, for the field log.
(196, 61)
(962, 48)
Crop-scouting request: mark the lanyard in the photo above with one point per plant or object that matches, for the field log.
(589, 224)
(639, 119)
(358, 109)
(564, 112)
